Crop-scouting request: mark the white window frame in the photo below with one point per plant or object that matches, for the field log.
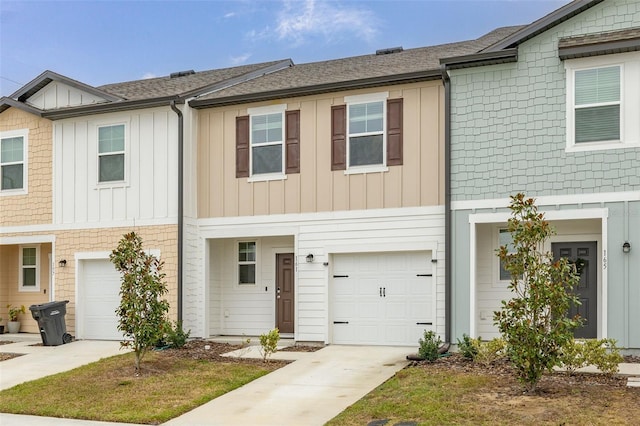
(239, 262)
(21, 267)
(629, 64)
(496, 236)
(24, 134)
(259, 111)
(124, 152)
(364, 99)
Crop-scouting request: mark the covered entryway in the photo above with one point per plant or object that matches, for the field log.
(382, 298)
(584, 256)
(99, 288)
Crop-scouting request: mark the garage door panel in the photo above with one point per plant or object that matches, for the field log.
(382, 319)
(99, 285)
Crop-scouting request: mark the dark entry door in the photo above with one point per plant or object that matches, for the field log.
(284, 292)
(584, 254)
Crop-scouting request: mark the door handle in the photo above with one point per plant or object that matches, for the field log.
(384, 292)
(380, 291)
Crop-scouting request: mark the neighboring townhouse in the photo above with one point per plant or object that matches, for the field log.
(320, 201)
(552, 111)
(80, 167)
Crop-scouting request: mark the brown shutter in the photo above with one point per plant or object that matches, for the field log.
(242, 146)
(394, 132)
(339, 137)
(292, 138)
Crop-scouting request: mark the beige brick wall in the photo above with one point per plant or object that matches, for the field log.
(68, 243)
(36, 206)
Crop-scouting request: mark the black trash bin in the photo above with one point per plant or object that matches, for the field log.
(50, 317)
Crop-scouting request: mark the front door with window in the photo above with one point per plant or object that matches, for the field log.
(285, 292)
(584, 256)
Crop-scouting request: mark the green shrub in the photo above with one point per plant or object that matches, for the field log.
(467, 347)
(269, 343)
(176, 337)
(603, 354)
(428, 346)
(489, 352)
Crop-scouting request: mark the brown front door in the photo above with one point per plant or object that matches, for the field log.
(584, 255)
(284, 292)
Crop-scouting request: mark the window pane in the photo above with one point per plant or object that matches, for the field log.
(266, 128)
(29, 256)
(111, 168)
(111, 139)
(12, 176)
(247, 252)
(365, 150)
(598, 124)
(505, 239)
(267, 159)
(366, 118)
(12, 150)
(29, 277)
(247, 274)
(598, 85)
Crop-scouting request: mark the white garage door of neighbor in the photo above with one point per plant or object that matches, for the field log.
(382, 298)
(99, 286)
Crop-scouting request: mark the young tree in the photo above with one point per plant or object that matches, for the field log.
(534, 322)
(142, 312)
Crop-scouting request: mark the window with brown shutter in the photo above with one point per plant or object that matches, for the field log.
(339, 137)
(394, 132)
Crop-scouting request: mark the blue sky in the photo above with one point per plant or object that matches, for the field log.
(100, 42)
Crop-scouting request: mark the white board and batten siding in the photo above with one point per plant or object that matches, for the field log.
(149, 192)
(57, 95)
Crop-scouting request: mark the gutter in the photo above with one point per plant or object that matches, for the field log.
(172, 104)
(102, 108)
(447, 204)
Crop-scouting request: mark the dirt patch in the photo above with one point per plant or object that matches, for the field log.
(8, 355)
(5, 342)
(301, 348)
(212, 351)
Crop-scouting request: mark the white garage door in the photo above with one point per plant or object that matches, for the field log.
(382, 298)
(99, 285)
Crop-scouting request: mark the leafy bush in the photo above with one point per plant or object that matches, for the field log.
(269, 343)
(489, 352)
(534, 322)
(176, 336)
(428, 347)
(467, 346)
(603, 353)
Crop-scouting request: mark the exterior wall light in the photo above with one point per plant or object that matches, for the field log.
(626, 247)
(62, 263)
(309, 258)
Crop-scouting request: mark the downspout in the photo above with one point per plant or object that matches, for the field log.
(447, 204)
(180, 201)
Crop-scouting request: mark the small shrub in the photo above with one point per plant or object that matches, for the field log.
(428, 347)
(269, 343)
(489, 352)
(603, 354)
(176, 337)
(245, 345)
(467, 347)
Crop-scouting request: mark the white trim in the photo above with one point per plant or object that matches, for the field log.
(376, 168)
(126, 152)
(27, 239)
(392, 247)
(256, 263)
(550, 200)
(270, 109)
(499, 218)
(367, 97)
(24, 134)
(267, 177)
(137, 223)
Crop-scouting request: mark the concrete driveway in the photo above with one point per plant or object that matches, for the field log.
(310, 391)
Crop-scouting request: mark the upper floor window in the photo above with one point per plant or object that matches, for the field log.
(268, 143)
(111, 152)
(29, 279)
(13, 162)
(603, 102)
(366, 133)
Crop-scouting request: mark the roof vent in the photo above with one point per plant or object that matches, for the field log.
(181, 73)
(389, 50)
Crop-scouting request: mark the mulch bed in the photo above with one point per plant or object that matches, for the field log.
(196, 349)
(301, 348)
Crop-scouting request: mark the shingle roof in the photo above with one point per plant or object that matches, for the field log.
(167, 86)
(605, 37)
(321, 76)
